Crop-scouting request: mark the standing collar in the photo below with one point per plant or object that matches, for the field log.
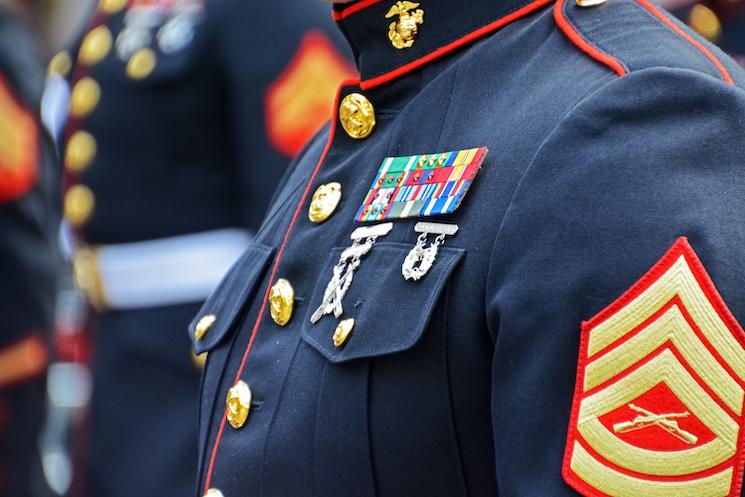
(446, 25)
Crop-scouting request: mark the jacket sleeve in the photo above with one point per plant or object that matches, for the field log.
(281, 63)
(641, 162)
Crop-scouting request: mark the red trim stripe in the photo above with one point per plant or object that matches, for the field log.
(344, 13)
(583, 45)
(262, 310)
(460, 42)
(670, 24)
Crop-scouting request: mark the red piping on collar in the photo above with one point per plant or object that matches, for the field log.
(271, 281)
(444, 50)
(338, 16)
(583, 45)
(659, 15)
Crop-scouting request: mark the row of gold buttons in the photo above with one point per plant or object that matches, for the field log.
(81, 149)
(357, 117)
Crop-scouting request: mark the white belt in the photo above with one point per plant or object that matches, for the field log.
(155, 273)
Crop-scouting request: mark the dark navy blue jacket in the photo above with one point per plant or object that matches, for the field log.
(612, 133)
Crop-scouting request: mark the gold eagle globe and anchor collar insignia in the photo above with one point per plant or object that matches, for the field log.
(402, 32)
(658, 405)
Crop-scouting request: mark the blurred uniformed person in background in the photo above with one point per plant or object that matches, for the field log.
(182, 117)
(29, 217)
(512, 266)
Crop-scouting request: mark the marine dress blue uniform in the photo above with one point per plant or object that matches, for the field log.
(576, 335)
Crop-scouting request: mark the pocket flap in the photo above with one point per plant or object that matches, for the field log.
(389, 312)
(222, 308)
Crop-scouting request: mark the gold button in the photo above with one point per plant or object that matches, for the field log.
(213, 492)
(112, 6)
(203, 326)
(85, 96)
(141, 64)
(96, 45)
(705, 22)
(590, 3)
(238, 404)
(325, 201)
(357, 116)
(60, 64)
(80, 151)
(199, 360)
(79, 204)
(342, 332)
(281, 302)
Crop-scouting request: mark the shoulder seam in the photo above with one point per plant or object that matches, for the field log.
(593, 51)
(676, 29)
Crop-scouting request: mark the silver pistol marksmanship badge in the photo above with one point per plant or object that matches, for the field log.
(421, 258)
(363, 240)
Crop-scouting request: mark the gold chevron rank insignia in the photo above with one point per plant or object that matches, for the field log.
(658, 405)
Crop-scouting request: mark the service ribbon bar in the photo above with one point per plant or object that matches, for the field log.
(421, 185)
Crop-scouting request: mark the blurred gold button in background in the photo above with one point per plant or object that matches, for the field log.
(60, 64)
(80, 151)
(112, 6)
(141, 64)
(85, 97)
(79, 204)
(96, 45)
(705, 22)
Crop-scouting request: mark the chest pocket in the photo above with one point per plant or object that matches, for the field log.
(221, 310)
(390, 313)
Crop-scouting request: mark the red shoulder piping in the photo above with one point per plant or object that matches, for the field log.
(583, 45)
(659, 15)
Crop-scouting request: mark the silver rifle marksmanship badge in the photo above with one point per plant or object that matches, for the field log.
(422, 257)
(363, 240)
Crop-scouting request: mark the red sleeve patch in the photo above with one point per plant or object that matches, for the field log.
(300, 101)
(19, 145)
(23, 361)
(658, 404)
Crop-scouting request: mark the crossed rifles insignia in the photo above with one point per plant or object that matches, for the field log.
(648, 419)
(658, 405)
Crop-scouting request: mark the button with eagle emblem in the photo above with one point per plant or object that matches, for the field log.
(357, 116)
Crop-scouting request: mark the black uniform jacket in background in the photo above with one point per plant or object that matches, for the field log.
(181, 147)
(612, 133)
(29, 215)
(187, 148)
